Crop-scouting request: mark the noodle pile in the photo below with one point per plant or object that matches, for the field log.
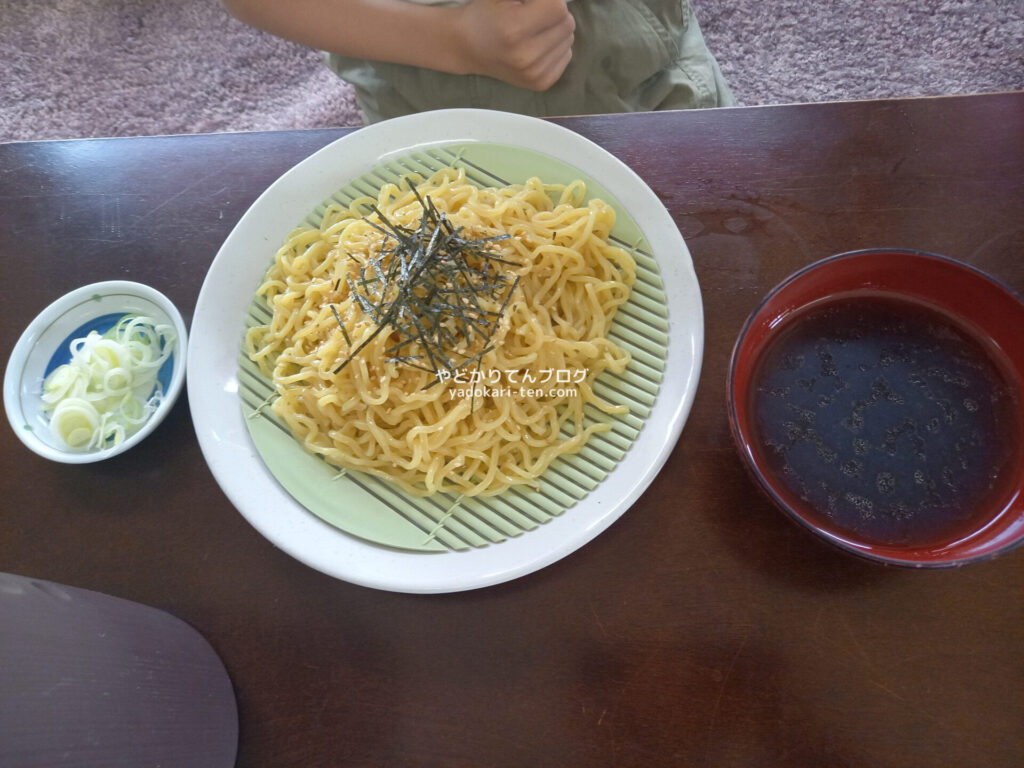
(478, 428)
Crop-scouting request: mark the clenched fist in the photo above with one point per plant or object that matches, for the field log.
(526, 43)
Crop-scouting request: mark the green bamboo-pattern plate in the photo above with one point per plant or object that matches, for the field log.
(379, 512)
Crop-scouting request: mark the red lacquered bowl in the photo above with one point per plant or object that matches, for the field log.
(877, 397)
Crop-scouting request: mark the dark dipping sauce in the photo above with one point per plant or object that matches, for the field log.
(893, 422)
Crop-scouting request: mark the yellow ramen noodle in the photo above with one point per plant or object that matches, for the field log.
(499, 422)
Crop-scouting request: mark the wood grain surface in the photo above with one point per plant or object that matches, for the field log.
(702, 629)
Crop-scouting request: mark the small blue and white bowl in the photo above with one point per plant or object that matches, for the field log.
(45, 345)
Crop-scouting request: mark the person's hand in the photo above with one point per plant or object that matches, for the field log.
(526, 43)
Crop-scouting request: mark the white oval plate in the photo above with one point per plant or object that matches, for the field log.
(218, 324)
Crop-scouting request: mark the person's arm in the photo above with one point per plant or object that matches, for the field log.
(527, 43)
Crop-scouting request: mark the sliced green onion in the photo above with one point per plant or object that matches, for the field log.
(109, 388)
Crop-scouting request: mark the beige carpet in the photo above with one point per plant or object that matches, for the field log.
(81, 68)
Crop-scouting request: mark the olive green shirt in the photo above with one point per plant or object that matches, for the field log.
(628, 56)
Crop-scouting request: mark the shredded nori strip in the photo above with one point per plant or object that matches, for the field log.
(431, 287)
(341, 325)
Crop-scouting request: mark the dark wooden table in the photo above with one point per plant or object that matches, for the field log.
(702, 629)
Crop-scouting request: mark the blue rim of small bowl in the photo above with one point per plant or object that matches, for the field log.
(765, 486)
(16, 389)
